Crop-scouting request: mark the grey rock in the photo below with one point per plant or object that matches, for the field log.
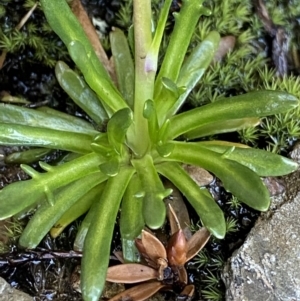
(7, 293)
(267, 266)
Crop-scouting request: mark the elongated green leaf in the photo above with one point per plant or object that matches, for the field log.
(80, 92)
(77, 209)
(70, 118)
(185, 23)
(264, 163)
(191, 73)
(15, 134)
(152, 55)
(27, 157)
(35, 189)
(83, 229)
(123, 64)
(103, 87)
(131, 221)
(47, 215)
(151, 115)
(241, 181)
(39, 119)
(154, 210)
(210, 213)
(224, 126)
(117, 128)
(98, 240)
(68, 28)
(253, 104)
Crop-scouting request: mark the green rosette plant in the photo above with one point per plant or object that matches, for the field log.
(144, 138)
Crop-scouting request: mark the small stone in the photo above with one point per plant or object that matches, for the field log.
(7, 293)
(201, 176)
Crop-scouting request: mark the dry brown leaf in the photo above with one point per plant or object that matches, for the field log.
(197, 242)
(130, 273)
(153, 247)
(179, 209)
(177, 249)
(140, 292)
(188, 291)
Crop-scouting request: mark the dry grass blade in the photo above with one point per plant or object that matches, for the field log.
(130, 273)
(91, 33)
(140, 292)
(153, 247)
(197, 242)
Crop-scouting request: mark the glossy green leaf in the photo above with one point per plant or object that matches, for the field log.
(80, 92)
(131, 220)
(83, 229)
(36, 118)
(154, 210)
(117, 128)
(77, 209)
(47, 215)
(224, 126)
(264, 163)
(123, 64)
(28, 156)
(241, 181)
(98, 239)
(68, 28)
(102, 86)
(152, 55)
(206, 207)
(186, 21)
(191, 72)
(150, 114)
(15, 134)
(35, 189)
(253, 104)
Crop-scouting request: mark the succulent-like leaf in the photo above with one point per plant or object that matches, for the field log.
(16, 134)
(117, 128)
(35, 189)
(38, 119)
(185, 23)
(150, 114)
(206, 207)
(253, 104)
(140, 292)
(48, 214)
(68, 28)
(130, 273)
(76, 210)
(131, 220)
(123, 64)
(264, 163)
(98, 239)
(224, 126)
(241, 181)
(80, 92)
(192, 70)
(154, 210)
(28, 156)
